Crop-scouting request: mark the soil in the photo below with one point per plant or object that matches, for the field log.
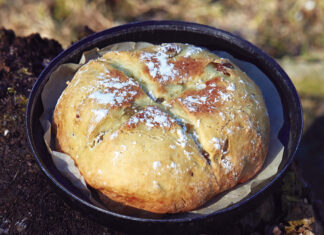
(28, 205)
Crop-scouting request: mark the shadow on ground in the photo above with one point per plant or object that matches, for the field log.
(310, 161)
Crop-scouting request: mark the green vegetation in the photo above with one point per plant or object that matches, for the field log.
(291, 27)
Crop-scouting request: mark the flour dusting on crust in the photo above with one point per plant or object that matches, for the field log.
(158, 62)
(152, 117)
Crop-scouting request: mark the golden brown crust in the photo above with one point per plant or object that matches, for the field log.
(164, 128)
(206, 100)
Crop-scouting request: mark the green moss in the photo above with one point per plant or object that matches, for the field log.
(21, 100)
(24, 71)
(11, 90)
(311, 86)
(60, 11)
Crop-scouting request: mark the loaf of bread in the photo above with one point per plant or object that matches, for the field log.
(164, 128)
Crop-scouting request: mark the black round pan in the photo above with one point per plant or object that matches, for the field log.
(159, 32)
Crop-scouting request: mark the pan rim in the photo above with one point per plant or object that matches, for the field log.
(150, 25)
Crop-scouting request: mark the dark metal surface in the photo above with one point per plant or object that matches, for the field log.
(159, 32)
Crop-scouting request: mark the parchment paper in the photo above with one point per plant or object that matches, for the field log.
(64, 163)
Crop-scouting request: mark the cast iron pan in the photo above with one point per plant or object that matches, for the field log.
(159, 32)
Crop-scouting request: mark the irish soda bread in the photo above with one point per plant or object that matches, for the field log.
(163, 128)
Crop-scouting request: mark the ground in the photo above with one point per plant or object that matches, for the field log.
(28, 205)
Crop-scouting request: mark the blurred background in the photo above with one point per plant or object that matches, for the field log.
(292, 31)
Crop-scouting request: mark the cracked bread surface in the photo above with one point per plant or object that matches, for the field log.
(163, 128)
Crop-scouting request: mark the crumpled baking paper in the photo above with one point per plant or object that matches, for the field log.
(64, 163)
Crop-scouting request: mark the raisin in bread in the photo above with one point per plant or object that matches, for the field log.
(163, 128)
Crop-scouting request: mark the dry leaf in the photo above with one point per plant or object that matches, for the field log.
(300, 226)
